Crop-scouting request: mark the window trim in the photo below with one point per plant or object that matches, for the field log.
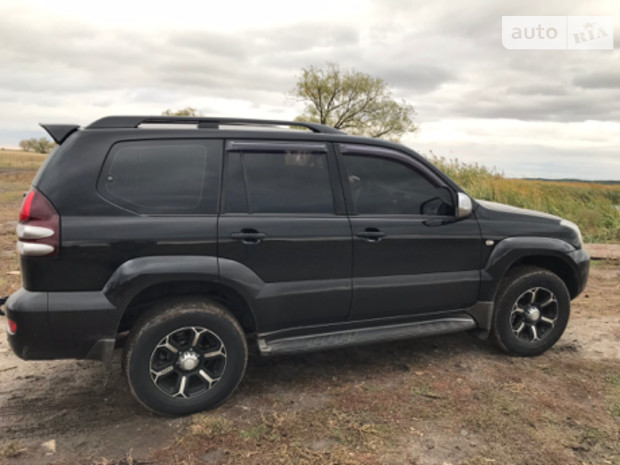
(274, 146)
(280, 147)
(383, 153)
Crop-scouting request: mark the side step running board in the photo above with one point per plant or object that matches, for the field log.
(359, 336)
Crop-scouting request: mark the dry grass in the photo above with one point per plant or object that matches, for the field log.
(591, 206)
(613, 394)
(11, 449)
(127, 460)
(16, 172)
(323, 435)
(16, 160)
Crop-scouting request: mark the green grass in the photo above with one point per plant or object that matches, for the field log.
(591, 206)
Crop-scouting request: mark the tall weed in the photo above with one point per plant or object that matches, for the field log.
(593, 207)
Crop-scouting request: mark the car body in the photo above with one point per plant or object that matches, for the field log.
(305, 239)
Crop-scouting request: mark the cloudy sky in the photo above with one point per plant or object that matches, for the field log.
(540, 113)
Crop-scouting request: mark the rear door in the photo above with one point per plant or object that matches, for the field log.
(283, 218)
(411, 256)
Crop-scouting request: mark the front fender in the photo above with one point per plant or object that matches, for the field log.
(510, 250)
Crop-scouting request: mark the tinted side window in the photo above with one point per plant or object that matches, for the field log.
(289, 182)
(163, 176)
(235, 196)
(386, 186)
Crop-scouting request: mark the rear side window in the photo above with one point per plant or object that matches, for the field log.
(291, 181)
(163, 176)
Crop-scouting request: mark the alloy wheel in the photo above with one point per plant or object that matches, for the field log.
(188, 362)
(534, 314)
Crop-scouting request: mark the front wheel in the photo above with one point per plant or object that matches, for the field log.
(185, 356)
(531, 313)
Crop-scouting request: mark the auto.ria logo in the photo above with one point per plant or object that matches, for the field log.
(558, 32)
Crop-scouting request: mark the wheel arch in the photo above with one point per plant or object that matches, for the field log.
(551, 263)
(138, 283)
(546, 253)
(227, 296)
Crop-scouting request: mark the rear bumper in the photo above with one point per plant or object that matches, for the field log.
(53, 325)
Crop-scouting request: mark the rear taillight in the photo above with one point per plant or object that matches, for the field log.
(11, 326)
(25, 213)
(38, 230)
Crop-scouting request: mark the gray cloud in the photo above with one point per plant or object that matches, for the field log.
(415, 76)
(600, 80)
(488, 81)
(81, 59)
(537, 89)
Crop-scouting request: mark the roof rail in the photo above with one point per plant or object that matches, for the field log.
(119, 122)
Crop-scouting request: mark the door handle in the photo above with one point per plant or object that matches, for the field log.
(249, 236)
(371, 234)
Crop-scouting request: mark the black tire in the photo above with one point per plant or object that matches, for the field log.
(532, 308)
(185, 355)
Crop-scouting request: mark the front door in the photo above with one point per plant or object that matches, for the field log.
(411, 255)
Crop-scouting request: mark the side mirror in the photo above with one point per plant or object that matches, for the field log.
(464, 207)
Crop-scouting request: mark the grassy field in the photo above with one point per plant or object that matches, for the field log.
(591, 206)
(16, 172)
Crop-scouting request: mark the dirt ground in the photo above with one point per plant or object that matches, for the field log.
(439, 400)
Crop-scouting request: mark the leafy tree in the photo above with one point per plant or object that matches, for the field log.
(352, 101)
(187, 111)
(44, 145)
(41, 145)
(27, 145)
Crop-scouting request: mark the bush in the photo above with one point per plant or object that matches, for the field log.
(41, 145)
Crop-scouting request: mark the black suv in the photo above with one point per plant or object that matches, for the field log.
(293, 236)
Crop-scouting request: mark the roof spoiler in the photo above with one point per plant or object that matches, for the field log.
(59, 132)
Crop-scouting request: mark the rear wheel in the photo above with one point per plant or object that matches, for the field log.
(531, 313)
(185, 356)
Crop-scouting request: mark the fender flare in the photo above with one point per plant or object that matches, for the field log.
(510, 250)
(136, 275)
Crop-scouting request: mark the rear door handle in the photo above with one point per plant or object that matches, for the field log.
(371, 234)
(249, 236)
